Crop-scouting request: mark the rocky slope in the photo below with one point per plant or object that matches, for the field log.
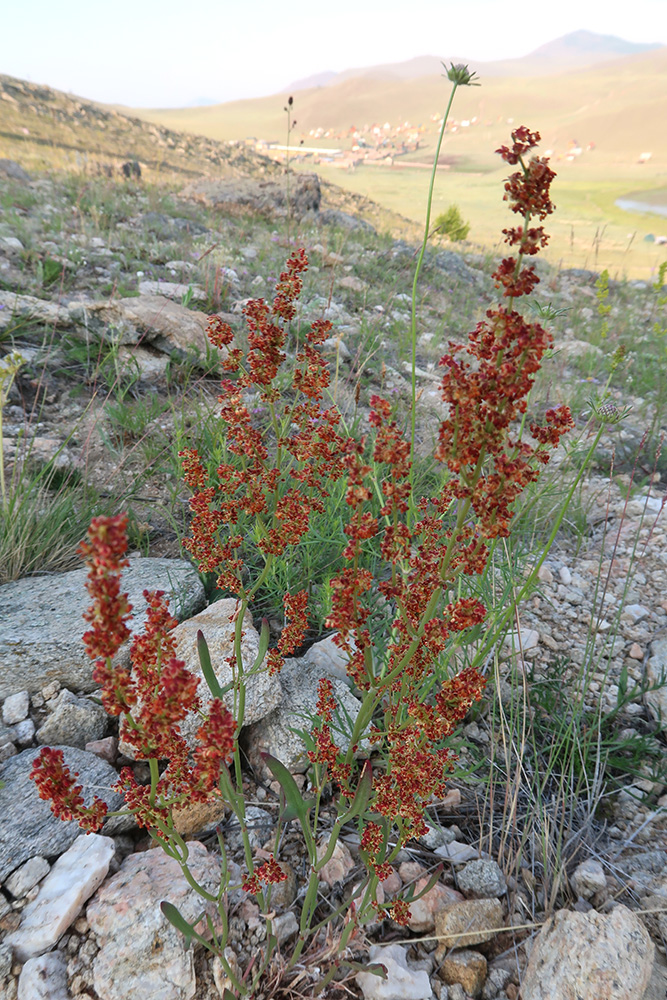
(104, 289)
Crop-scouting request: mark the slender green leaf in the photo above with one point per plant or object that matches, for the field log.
(622, 685)
(293, 797)
(264, 637)
(206, 668)
(326, 979)
(181, 924)
(411, 896)
(362, 794)
(376, 969)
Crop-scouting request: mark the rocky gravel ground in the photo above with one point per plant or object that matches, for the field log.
(104, 290)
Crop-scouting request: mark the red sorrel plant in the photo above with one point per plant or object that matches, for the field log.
(432, 549)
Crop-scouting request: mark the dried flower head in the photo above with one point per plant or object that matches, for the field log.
(460, 75)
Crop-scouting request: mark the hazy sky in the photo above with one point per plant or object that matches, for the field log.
(163, 53)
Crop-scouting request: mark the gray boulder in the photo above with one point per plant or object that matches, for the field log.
(334, 217)
(28, 307)
(148, 319)
(299, 678)
(43, 624)
(12, 169)
(28, 826)
(482, 879)
(579, 274)
(152, 364)
(73, 721)
(454, 264)
(263, 196)
(168, 228)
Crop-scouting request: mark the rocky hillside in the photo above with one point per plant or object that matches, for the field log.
(41, 126)
(106, 282)
(43, 129)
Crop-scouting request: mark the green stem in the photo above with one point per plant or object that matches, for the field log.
(420, 258)
(3, 490)
(155, 777)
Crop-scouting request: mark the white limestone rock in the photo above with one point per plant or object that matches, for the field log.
(73, 722)
(263, 693)
(15, 708)
(44, 978)
(457, 852)
(172, 290)
(73, 879)
(588, 878)
(27, 876)
(275, 734)
(327, 657)
(522, 640)
(401, 983)
(141, 954)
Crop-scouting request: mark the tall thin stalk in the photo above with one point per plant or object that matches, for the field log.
(8, 369)
(460, 76)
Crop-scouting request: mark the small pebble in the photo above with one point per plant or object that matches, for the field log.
(15, 708)
(25, 878)
(23, 732)
(50, 690)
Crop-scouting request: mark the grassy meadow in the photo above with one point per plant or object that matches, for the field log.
(588, 231)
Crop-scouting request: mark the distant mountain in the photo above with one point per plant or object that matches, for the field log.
(617, 103)
(317, 80)
(577, 50)
(202, 102)
(585, 48)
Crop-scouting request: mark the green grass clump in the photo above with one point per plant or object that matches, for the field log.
(45, 516)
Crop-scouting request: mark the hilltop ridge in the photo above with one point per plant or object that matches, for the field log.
(576, 50)
(35, 118)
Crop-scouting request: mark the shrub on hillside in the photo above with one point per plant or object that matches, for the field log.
(451, 223)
